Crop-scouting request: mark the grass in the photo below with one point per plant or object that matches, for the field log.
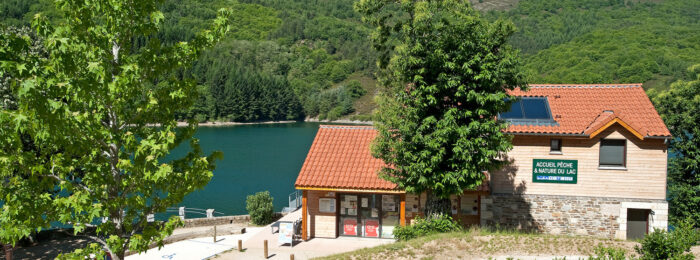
(365, 104)
(485, 243)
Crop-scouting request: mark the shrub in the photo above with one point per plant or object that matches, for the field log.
(200, 118)
(608, 253)
(422, 227)
(260, 208)
(355, 89)
(669, 245)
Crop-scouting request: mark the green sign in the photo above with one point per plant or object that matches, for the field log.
(554, 171)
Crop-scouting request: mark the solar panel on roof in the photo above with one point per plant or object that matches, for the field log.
(535, 108)
(516, 111)
(529, 110)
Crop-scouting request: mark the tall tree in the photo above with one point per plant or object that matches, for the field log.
(81, 148)
(679, 106)
(446, 72)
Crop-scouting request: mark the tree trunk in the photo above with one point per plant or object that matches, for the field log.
(119, 255)
(435, 205)
(8, 251)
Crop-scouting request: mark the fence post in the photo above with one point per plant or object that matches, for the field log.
(265, 248)
(210, 213)
(150, 217)
(214, 234)
(181, 213)
(240, 245)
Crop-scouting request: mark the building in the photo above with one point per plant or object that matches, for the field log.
(586, 160)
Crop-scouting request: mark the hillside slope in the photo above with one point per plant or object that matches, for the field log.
(312, 58)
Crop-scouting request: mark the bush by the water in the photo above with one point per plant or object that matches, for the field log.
(260, 208)
(670, 245)
(426, 226)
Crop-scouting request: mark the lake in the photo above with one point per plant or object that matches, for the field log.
(256, 158)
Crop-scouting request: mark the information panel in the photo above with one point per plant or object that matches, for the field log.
(554, 171)
(286, 233)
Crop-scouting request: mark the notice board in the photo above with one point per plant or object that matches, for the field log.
(555, 171)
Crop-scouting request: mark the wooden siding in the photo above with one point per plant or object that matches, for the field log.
(644, 177)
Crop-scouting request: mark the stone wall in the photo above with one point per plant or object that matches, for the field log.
(570, 215)
(199, 222)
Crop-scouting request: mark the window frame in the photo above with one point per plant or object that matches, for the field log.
(611, 166)
(559, 146)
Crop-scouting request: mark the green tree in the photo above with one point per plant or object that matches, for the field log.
(680, 109)
(445, 71)
(81, 147)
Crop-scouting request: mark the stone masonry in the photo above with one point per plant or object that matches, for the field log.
(569, 215)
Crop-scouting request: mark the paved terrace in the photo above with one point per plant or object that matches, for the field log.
(253, 245)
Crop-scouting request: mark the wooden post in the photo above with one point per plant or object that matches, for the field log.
(214, 234)
(291, 257)
(265, 246)
(304, 218)
(240, 245)
(402, 210)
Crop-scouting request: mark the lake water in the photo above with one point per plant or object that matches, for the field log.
(256, 158)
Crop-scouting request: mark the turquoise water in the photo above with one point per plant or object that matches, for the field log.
(256, 158)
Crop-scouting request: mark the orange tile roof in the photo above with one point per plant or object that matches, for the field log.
(585, 109)
(340, 158)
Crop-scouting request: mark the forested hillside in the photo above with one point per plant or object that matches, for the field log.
(288, 60)
(607, 41)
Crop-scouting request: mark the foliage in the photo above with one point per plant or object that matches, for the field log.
(445, 71)
(8, 99)
(80, 147)
(300, 82)
(606, 41)
(680, 109)
(184, 18)
(355, 89)
(426, 226)
(669, 245)
(568, 41)
(311, 46)
(260, 208)
(234, 94)
(19, 13)
(608, 253)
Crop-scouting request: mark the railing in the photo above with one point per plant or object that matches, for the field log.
(183, 211)
(294, 201)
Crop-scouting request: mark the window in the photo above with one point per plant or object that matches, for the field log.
(529, 110)
(613, 153)
(555, 146)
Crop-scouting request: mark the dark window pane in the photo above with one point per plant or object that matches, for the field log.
(516, 111)
(612, 152)
(555, 145)
(536, 108)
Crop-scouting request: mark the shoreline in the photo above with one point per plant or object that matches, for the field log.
(307, 120)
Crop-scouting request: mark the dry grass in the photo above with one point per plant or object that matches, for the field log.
(479, 244)
(487, 5)
(365, 104)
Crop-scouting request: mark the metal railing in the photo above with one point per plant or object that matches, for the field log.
(183, 211)
(294, 201)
